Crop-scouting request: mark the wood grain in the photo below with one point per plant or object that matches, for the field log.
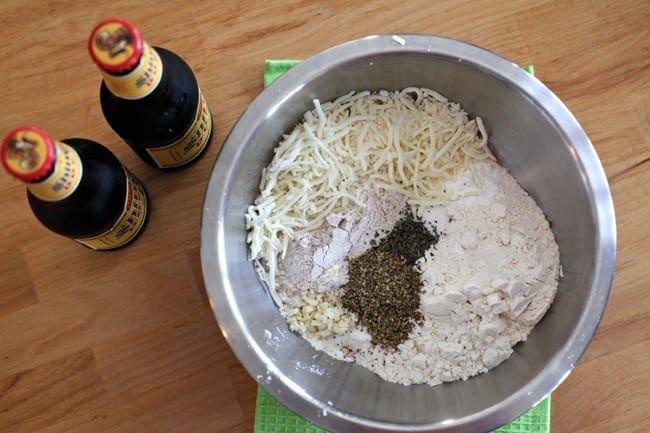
(125, 341)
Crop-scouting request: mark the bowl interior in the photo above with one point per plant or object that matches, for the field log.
(531, 133)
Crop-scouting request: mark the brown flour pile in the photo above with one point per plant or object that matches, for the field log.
(315, 260)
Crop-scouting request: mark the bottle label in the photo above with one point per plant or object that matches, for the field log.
(129, 223)
(191, 144)
(141, 81)
(65, 176)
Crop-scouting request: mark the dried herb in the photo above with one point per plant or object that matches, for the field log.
(384, 291)
(409, 239)
(383, 288)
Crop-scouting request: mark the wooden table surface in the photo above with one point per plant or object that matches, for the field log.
(125, 341)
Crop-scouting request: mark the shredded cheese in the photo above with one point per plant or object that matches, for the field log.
(410, 141)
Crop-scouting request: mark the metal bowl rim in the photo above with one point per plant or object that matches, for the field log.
(217, 283)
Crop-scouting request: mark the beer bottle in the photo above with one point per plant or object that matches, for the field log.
(77, 188)
(150, 96)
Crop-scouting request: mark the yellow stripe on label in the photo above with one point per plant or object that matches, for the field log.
(191, 144)
(65, 176)
(129, 223)
(141, 81)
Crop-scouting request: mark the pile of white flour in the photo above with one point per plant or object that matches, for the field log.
(489, 279)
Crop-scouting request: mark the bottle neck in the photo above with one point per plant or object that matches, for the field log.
(64, 178)
(141, 80)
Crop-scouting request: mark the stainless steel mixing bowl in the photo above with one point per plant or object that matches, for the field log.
(533, 134)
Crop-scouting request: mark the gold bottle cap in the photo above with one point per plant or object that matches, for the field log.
(115, 45)
(28, 153)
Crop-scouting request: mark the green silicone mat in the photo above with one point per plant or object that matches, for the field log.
(273, 417)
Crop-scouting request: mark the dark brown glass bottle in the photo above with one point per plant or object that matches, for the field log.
(150, 96)
(77, 188)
